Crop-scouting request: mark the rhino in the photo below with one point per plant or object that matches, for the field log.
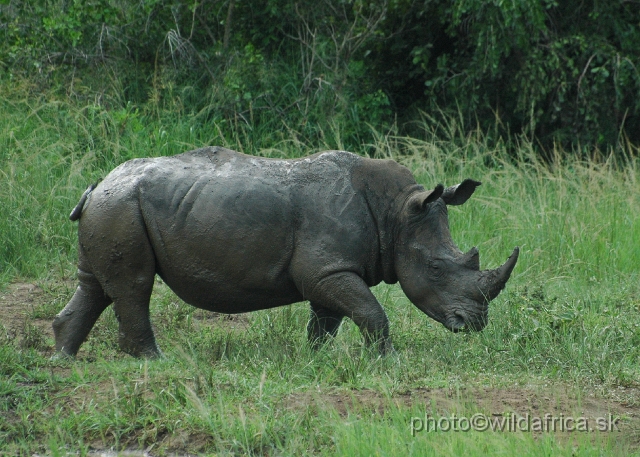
(233, 233)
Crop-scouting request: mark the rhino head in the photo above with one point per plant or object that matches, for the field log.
(441, 280)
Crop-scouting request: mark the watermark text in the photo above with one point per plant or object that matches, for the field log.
(513, 423)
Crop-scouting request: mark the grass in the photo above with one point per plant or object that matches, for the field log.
(566, 328)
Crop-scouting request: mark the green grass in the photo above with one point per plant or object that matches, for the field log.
(567, 325)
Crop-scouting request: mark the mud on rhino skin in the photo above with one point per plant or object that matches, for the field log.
(233, 233)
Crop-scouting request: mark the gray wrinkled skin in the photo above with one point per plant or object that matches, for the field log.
(232, 233)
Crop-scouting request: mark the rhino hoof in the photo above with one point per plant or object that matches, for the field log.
(62, 356)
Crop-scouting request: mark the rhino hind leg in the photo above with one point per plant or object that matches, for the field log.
(135, 335)
(129, 282)
(72, 325)
(114, 246)
(323, 323)
(346, 294)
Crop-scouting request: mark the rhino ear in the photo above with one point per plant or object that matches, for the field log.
(419, 202)
(457, 195)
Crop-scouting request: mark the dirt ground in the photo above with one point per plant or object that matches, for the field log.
(17, 302)
(620, 406)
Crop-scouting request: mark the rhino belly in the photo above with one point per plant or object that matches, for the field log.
(225, 246)
(228, 275)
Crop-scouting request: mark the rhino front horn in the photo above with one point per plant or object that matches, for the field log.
(493, 281)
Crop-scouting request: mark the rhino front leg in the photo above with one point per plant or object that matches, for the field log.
(347, 294)
(323, 323)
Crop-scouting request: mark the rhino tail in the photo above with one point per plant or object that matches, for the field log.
(77, 211)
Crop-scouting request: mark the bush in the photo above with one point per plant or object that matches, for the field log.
(551, 71)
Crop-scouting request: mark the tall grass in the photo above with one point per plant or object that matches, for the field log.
(569, 314)
(573, 218)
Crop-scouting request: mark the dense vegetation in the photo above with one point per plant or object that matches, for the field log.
(555, 72)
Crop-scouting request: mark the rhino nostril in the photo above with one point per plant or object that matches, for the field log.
(458, 322)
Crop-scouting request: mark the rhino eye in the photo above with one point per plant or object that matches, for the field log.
(437, 267)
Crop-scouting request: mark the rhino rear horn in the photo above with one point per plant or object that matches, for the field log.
(471, 259)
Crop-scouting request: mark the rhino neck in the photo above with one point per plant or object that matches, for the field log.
(389, 223)
(386, 185)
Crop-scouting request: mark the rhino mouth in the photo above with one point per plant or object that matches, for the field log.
(460, 322)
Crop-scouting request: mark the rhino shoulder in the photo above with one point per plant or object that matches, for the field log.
(208, 153)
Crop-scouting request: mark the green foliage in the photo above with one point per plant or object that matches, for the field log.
(544, 69)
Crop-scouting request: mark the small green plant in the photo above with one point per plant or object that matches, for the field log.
(32, 338)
